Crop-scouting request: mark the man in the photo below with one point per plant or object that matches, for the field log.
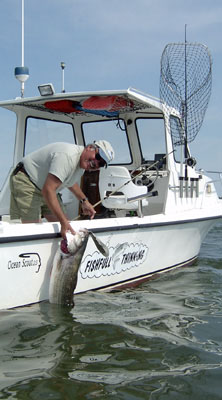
(36, 181)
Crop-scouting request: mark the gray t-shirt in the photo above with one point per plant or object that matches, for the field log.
(60, 159)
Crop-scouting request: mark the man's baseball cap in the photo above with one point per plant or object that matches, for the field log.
(105, 150)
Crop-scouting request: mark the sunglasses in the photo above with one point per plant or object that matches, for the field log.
(102, 162)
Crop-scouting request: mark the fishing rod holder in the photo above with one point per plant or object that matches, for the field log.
(219, 174)
(187, 189)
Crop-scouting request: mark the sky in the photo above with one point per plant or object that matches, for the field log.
(111, 44)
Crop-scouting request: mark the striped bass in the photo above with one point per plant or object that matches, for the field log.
(66, 264)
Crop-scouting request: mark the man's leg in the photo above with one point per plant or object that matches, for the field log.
(26, 199)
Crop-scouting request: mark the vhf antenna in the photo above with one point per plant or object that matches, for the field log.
(22, 73)
(63, 65)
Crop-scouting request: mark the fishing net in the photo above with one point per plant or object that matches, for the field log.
(185, 84)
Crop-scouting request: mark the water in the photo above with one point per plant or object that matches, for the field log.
(162, 340)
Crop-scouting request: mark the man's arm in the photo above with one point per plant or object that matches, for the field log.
(49, 193)
(87, 207)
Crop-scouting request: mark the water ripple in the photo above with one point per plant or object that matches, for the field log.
(159, 341)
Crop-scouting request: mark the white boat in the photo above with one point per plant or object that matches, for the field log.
(156, 206)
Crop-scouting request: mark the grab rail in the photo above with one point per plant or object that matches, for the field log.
(218, 173)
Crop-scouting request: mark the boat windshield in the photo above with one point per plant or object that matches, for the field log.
(114, 131)
(151, 136)
(40, 132)
(7, 132)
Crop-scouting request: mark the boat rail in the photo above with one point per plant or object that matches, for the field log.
(219, 173)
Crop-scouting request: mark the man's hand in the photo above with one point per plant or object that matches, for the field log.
(88, 209)
(66, 227)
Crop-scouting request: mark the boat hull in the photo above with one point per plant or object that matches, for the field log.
(137, 250)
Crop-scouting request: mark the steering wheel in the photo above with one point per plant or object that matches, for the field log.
(147, 180)
(152, 182)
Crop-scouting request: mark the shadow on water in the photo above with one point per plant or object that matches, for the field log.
(159, 341)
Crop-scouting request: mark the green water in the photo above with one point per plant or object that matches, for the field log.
(162, 340)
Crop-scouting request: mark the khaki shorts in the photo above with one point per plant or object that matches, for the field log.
(26, 200)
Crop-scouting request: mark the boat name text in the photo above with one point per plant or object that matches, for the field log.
(121, 258)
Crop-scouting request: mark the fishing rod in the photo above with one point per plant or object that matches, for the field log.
(185, 104)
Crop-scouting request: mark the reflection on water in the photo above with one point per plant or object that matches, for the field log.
(159, 341)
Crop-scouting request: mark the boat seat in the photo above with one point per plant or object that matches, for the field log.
(115, 178)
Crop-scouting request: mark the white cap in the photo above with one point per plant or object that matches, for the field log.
(105, 150)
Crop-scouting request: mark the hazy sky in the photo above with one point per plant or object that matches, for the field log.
(111, 44)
